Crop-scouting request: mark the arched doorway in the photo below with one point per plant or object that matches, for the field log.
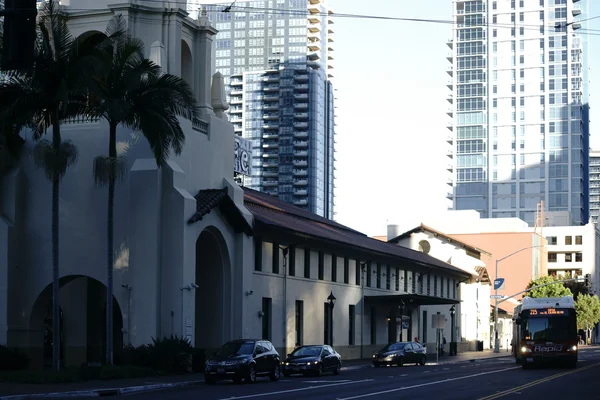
(187, 64)
(213, 296)
(83, 323)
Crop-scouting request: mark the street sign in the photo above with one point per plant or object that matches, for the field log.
(496, 296)
(438, 321)
(498, 283)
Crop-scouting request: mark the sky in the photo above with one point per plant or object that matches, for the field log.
(391, 104)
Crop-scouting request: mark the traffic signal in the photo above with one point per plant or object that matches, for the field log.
(19, 34)
(587, 280)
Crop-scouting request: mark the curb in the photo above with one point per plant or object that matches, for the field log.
(105, 392)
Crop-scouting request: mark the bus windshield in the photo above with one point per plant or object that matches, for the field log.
(549, 329)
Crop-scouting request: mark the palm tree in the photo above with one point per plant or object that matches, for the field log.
(39, 99)
(132, 91)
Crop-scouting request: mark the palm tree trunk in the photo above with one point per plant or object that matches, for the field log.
(56, 343)
(112, 154)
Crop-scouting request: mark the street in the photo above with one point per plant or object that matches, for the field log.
(484, 379)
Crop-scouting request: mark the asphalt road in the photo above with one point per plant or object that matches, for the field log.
(483, 380)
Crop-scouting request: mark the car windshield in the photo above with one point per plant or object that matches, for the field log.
(311, 351)
(230, 349)
(393, 347)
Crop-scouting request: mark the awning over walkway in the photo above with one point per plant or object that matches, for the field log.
(410, 299)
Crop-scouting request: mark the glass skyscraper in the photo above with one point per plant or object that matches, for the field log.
(519, 129)
(276, 57)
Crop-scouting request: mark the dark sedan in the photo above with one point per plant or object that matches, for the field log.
(312, 360)
(400, 353)
(243, 359)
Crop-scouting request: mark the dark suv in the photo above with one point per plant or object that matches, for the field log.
(243, 359)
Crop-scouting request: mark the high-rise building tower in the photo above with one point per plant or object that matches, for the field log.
(519, 129)
(276, 57)
(594, 186)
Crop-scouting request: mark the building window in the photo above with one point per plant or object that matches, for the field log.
(333, 268)
(448, 287)
(388, 276)
(551, 240)
(425, 325)
(435, 281)
(552, 257)
(351, 324)
(414, 282)
(321, 273)
(405, 281)
(267, 304)
(326, 309)
(420, 283)
(454, 289)
(378, 276)
(275, 258)
(578, 239)
(441, 286)
(397, 278)
(578, 257)
(368, 274)
(568, 240)
(346, 270)
(258, 255)
(358, 272)
(373, 326)
(568, 257)
(428, 285)
(299, 322)
(307, 263)
(292, 260)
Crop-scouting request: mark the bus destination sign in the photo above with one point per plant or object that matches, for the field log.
(547, 311)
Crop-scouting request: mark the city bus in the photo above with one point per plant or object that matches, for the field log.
(545, 330)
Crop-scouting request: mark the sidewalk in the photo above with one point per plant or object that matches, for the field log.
(10, 391)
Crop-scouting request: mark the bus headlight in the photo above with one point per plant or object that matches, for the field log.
(525, 349)
(572, 348)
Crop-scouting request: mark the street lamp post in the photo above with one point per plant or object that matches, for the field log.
(496, 339)
(402, 305)
(452, 332)
(331, 301)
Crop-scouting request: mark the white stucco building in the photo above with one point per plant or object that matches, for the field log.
(472, 314)
(195, 255)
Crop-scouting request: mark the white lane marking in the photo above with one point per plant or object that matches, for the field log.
(428, 384)
(404, 375)
(295, 390)
(336, 381)
(426, 372)
(445, 369)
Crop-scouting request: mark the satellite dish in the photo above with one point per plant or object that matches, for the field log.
(424, 246)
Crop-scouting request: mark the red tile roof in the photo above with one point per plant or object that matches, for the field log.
(271, 211)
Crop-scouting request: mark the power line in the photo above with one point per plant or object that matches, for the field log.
(233, 9)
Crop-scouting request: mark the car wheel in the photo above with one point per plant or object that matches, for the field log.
(337, 369)
(276, 373)
(251, 377)
(320, 370)
(423, 360)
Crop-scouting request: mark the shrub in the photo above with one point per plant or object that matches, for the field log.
(13, 359)
(172, 354)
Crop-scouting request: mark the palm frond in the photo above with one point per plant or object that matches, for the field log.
(51, 161)
(116, 31)
(107, 168)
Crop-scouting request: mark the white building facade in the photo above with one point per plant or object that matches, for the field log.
(472, 314)
(195, 255)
